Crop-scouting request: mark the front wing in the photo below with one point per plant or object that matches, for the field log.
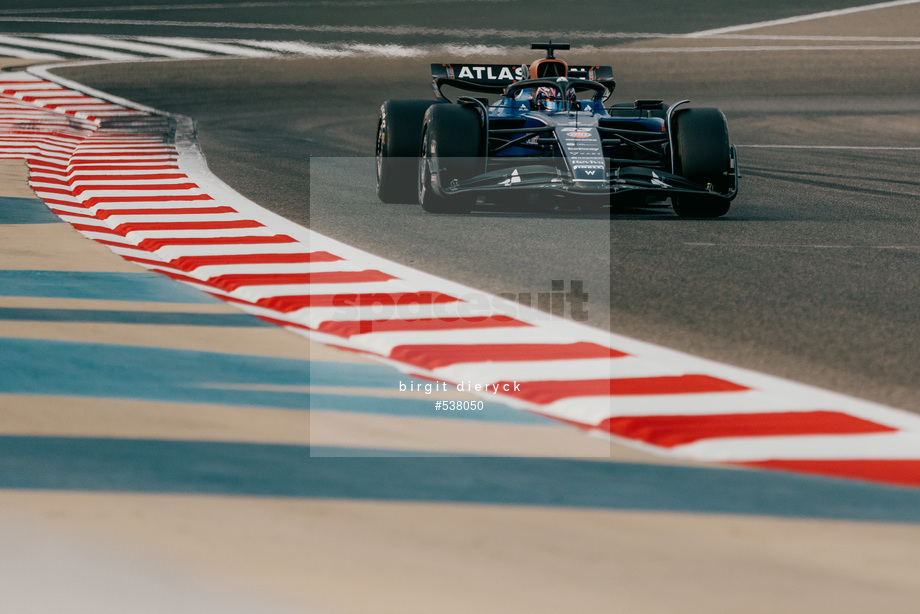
(536, 177)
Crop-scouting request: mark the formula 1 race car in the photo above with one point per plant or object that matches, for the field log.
(549, 132)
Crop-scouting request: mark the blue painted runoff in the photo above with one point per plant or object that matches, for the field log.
(131, 317)
(67, 368)
(15, 210)
(163, 466)
(146, 286)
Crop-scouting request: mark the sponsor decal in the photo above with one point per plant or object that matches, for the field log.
(584, 153)
(490, 73)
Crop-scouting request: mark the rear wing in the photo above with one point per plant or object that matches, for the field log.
(494, 75)
(594, 73)
(502, 75)
(494, 78)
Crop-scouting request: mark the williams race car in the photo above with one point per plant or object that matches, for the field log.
(549, 131)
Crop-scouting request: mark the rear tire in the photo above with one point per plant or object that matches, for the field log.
(452, 149)
(702, 154)
(399, 138)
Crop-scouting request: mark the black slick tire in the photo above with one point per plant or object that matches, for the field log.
(452, 149)
(702, 154)
(399, 138)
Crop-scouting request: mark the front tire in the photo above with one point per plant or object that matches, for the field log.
(452, 149)
(702, 154)
(399, 138)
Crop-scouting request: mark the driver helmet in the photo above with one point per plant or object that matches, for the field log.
(548, 99)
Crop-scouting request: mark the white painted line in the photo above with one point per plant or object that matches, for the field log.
(232, 48)
(258, 48)
(316, 316)
(66, 48)
(207, 272)
(467, 34)
(26, 54)
(391, 51)
(126, 148)
(801, 18)
(219, 5)
(256, 292)
(155, 158)
(40, 147)
(149, 7)
(114, 43)
(171, 252)
(33, 150)
(117, 220)
(165, 183)
(45, 92)
(72, 102)
(301, 48)
(389, 340)
(140, 235)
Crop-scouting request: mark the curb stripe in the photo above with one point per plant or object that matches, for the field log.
(105, 214)
(546, 392)
(153, 245)
(361, 327)
(190, 263)
(287, 304)
(233, 282)
(140, 226)
(435, 356)
(670, 431)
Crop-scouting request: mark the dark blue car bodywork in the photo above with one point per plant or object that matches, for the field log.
(582, 147)
(508, 133)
